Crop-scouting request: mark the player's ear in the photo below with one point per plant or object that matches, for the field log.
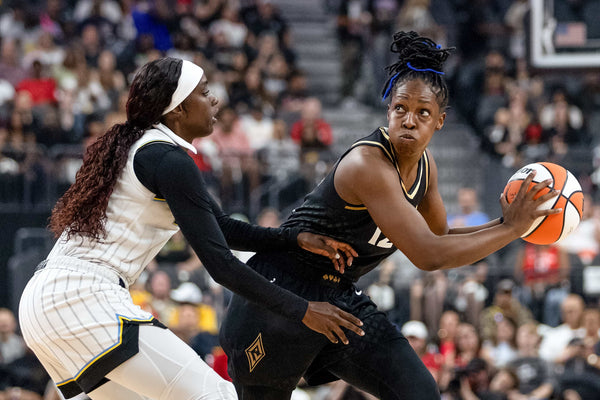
(440, 122)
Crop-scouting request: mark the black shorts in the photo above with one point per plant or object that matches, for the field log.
(267, 350)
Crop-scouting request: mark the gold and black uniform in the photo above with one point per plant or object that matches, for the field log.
(268, 354)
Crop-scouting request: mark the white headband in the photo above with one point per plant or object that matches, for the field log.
(188, 80)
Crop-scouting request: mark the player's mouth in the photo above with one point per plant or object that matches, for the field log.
(406, 136)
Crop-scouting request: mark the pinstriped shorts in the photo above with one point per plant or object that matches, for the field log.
(80, 322)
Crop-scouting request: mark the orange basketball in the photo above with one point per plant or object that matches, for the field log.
(551, 228)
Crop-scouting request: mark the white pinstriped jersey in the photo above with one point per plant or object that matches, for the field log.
(137, 223)
(74, 314)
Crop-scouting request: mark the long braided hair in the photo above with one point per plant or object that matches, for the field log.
(82, 209)
(418, 58)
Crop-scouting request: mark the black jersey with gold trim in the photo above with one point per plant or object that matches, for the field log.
(325, 212)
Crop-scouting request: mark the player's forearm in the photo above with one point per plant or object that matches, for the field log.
(451, 251)
(471, 229)
(243, 236)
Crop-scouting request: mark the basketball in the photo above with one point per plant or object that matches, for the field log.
(551, 228)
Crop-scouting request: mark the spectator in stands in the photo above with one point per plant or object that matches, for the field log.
(580, 378)
(505, 305)
(208, 11)
(514, 19)
(41, 87)
(160, 288)
(269, 218)
(468, 345)
(191, 315)
(13, 21)
(250, 91)
(506, 142)
(230, 25)
(534, 373)
(238, 164)
(416, 16)
(543, 271)
(12, 345)
(472, 381)
(471, 292)
(257, 126)
(591, 324)
(469, 212)
(263, 16)
(353, 22)
(417, 335)
(380, 291)
(501, 350)
(155, 19)
(493, 93)
(584, 241)
(10, 69)
(45, 51)
(276, 75)
(554, 346)
(111, 79)
(562, 121)
(311, 131)
(446, 335)
(23, 378)
(291, 100)
(280, 157)
(383, 22)
(427, 298)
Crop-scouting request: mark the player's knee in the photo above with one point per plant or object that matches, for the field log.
(422, 387)
(195, 383)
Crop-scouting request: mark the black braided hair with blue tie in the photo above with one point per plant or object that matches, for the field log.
(418, 58)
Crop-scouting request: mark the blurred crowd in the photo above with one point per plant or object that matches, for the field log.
(65, 67)
(521, 324)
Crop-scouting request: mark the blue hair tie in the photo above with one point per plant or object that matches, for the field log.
(390, 86)
(437, 46)
(423, 69)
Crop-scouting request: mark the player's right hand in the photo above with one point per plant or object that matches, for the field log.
(523, 210)
(328, 319)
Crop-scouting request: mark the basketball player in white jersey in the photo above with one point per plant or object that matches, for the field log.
(136, 188)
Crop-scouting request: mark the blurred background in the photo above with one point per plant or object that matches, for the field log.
(298, 82)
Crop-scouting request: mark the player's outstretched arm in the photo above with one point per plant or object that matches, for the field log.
(371, 180)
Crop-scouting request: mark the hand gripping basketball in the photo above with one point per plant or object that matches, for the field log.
(557, 196)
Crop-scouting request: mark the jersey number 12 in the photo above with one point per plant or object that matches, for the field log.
(376, 241)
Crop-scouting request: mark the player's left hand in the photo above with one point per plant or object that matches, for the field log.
(341, 254)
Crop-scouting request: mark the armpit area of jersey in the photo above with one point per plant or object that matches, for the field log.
(167, 170)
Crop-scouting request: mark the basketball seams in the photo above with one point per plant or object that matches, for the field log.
(580, 212)
(556, 227)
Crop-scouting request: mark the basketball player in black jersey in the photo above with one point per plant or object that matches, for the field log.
(381, 195)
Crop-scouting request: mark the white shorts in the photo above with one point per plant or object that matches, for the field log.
(80, 321)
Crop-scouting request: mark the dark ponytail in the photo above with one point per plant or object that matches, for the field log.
(82, 209)
(418, 58)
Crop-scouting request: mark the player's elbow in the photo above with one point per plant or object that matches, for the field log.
(428, 267)
(431, 260)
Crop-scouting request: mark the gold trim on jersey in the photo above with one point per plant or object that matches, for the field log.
(355, 208)
(158, 199)
(122, 320)
(375, 143)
